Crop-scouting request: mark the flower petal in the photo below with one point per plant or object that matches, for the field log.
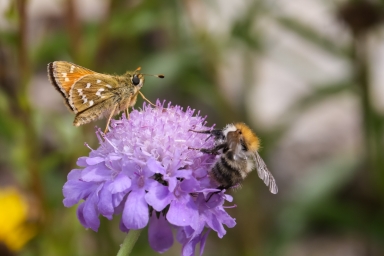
(189, 247)
(120, 183)
(82, 161)
(118, 201)
(135, 214)
(80, 215)
(226, 219)
(184, 233)
(158, 197)
(189, 185)
(155, 166)
(186, 174)
(96, 173)
(172, 183)
(105, 204)
(94, 160)
(122, 227)
(75, 190)
(75, 174)
(183, 213)
(203, 239)
(200, 173)
(217, 226)
(90, 213)
(159, 234)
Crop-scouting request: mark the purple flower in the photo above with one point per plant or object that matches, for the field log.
(145, 171)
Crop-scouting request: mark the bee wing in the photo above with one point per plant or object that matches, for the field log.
(91, 90)
(265, 174)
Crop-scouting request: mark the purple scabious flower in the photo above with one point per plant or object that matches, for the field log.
(145, 170)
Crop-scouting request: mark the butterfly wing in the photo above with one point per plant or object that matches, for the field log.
(265, 174)
(63, 75)
(95, 95)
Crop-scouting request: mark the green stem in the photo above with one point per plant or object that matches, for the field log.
(129, 242)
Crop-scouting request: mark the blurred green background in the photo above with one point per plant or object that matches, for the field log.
(306, 75)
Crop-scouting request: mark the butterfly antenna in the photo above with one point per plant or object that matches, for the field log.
(158, 76)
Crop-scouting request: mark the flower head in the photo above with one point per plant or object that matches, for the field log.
(145, 170)
(15, 229)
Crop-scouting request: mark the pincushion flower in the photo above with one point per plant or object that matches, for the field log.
(145, 170)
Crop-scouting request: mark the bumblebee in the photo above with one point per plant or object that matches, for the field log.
(238, 148)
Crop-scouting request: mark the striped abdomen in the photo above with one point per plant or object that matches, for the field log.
(228, 172)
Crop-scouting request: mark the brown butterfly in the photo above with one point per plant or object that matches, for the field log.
(92, 95)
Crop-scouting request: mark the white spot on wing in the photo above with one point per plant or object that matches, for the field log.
(98, 81)
(72, 68)
(109, 86)
(84, 98)
(91, 103)
(88, 85)
(80, 91)
(98, 93)
(66, 79)
(64, 74)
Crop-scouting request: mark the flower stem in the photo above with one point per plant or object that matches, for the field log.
(129, 242)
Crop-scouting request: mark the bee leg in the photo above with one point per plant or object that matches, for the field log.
(206, 150)
(109, 119)
(218, 134)
(220, 187)
(207, 131)
(212, 151)
(142, 95)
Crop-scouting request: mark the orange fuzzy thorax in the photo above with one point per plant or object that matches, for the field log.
(250, 138)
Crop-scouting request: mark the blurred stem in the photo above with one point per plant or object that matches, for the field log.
(22, 46)
(210, 52)
(129, 242)
(24, 106)
(373, 147)
(73, 28)
(247, 84)
(103, 33)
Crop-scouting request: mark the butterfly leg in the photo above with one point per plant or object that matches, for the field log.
(127, 113)
(142, 95)
(109, 118)
(127, 109)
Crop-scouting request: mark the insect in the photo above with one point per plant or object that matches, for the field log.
(237, 146)
(91, 95)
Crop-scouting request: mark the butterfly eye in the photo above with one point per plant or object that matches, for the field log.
(135, 80)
